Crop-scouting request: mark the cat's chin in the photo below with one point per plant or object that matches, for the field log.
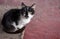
(16, 32)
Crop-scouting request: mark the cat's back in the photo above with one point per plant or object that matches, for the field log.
(10, 14)
(12, 11)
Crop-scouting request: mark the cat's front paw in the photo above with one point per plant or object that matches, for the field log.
(20, 26)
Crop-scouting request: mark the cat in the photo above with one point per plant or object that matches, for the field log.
(16, 19)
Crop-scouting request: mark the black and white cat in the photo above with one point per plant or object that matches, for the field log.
(16, 19)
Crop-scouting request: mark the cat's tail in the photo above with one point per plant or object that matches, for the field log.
(9, 28)
(16, 32)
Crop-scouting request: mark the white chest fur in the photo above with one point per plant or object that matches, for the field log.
(22, 22)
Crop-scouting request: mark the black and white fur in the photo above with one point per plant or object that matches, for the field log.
(16, 19)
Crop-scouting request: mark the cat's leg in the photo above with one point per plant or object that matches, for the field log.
(20, 26)
(14, 26)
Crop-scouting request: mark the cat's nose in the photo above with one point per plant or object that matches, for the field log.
(26, 16)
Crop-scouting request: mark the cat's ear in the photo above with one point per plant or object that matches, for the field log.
(22, 4)
(33, 6)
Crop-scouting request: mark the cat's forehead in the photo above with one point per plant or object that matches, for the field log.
(27, 8)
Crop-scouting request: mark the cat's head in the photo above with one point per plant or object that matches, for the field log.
(28, 11)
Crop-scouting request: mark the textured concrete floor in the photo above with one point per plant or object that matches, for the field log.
(44, 25)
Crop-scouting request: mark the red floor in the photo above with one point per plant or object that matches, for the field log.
(46, 22)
